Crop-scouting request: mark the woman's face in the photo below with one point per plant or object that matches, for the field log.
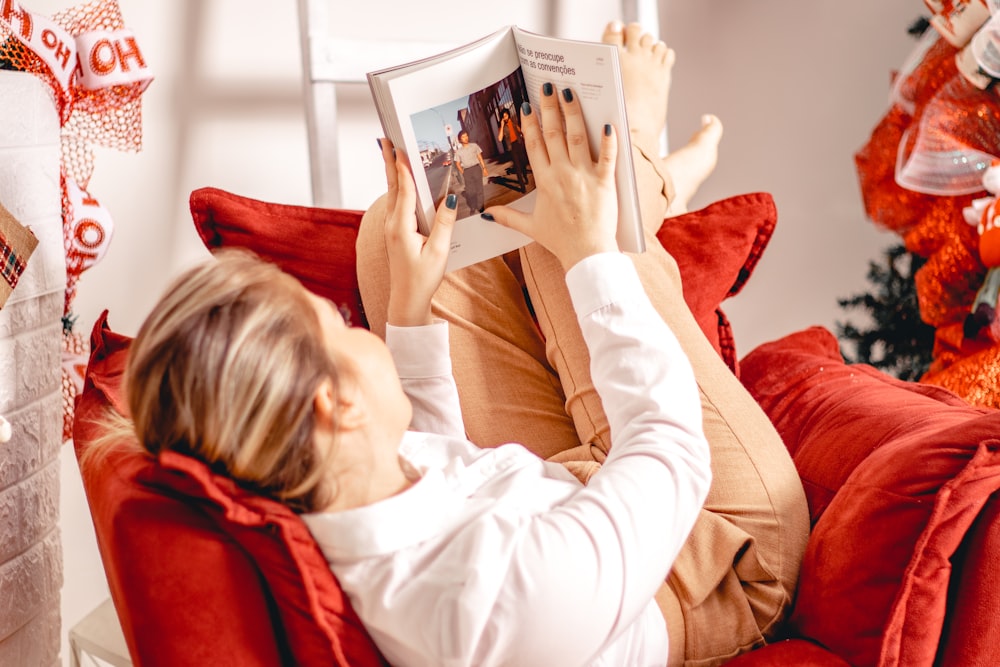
(364, 361)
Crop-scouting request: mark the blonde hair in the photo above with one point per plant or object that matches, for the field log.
(225, 369)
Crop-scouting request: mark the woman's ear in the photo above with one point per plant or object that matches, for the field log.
(341, 409)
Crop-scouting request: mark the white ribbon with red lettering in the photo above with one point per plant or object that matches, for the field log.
(90, 231)
(96, 70)
(111, 58)
(99, 58)
(44, 38)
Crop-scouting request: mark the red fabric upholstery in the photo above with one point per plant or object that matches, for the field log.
(973, 624)
(797, 652)
(202, 571)
(896, 474)
(716, 248)
(316, 245)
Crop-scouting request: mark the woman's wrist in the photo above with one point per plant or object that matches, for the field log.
(407, 315)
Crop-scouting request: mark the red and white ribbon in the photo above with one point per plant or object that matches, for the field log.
(46, 39)
(111, 58)
(97, 73)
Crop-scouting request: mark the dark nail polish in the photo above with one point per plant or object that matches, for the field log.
(546, 89)
(452, 201)
(379, 143)
(487, 216)
(607, 130)
(567, 94)
(525, 109)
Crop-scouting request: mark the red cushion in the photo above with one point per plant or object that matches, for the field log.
(797, 652)
(974, 625)
(716, 248)
(202, 571)
(895, 474)
(316, 245)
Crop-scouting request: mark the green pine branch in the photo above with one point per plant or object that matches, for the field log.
(898, 341)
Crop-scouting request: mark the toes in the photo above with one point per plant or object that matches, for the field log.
(633, 35)
(613, 34)
(663, 53)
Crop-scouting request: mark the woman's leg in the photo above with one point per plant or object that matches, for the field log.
(736, 575)
(474, 186)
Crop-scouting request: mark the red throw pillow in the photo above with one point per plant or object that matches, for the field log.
(895, 474)
(716, 248)
(316, 245)
(184, 547)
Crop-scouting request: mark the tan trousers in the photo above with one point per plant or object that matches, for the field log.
(527, 379)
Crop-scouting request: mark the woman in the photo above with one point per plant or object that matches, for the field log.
(425, 525)
(469, 159)
(510, 136)
(504, 558)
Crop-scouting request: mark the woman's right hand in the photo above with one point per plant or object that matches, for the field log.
(576, 210)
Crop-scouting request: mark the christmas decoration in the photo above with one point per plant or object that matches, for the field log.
(923, 166)
(97, 73)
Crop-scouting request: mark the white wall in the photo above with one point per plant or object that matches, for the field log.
(798, 85)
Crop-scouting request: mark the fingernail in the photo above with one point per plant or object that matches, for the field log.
(452, 201)
(546, 89)
(607, 129)
(487, 216)
(525, 109)
(379, 143)
(567, 94)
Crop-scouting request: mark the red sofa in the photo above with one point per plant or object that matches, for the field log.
(901, 479)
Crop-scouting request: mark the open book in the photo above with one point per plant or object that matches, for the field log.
(459, 114)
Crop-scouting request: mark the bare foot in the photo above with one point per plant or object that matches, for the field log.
(692, 163)
(646, 64)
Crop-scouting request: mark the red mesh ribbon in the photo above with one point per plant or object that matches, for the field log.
(97, 74)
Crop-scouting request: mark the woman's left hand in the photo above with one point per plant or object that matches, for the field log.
(416, 262)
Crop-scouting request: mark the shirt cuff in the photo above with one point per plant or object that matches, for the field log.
(419, 352)
(601, 280)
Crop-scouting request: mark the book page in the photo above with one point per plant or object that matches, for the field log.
(592, 71)
(446, 114)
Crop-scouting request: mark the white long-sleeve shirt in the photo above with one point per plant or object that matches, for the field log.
(496, 557)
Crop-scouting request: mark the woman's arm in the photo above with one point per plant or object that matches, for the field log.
(599, 558)
(595, 561)
(418, 343)
(423, 360)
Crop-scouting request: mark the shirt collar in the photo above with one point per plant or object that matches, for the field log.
(421, 511)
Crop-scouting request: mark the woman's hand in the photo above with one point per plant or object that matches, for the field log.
(576, 212)
(416, 262)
